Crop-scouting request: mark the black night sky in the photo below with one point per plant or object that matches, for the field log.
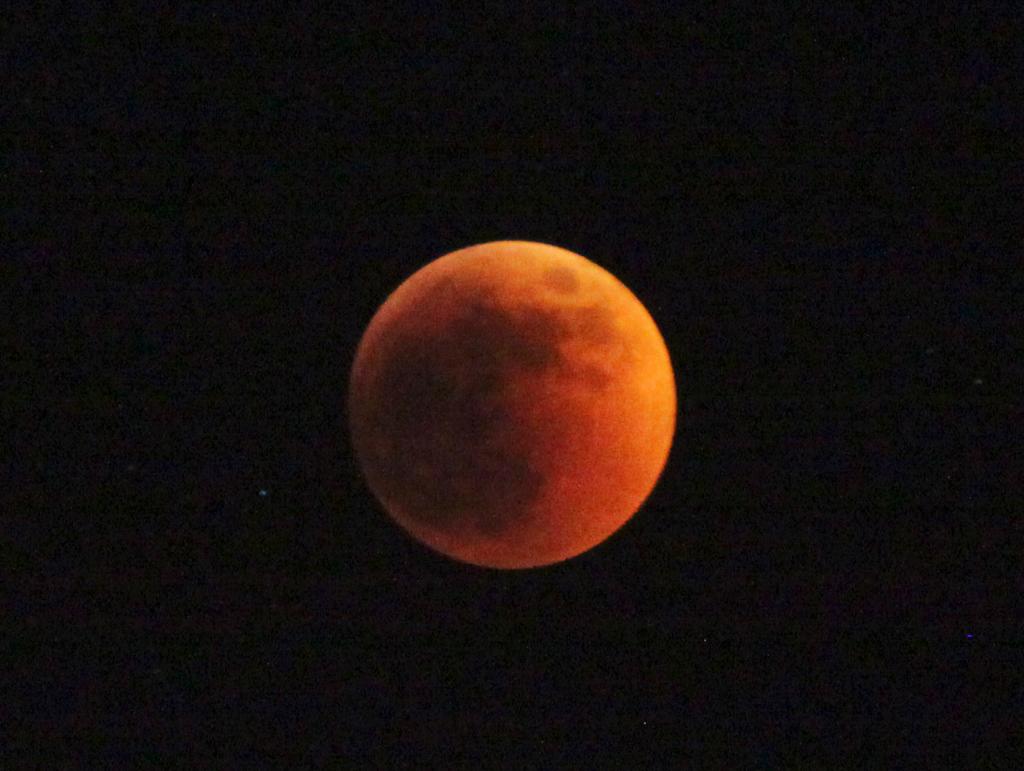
(208, 207)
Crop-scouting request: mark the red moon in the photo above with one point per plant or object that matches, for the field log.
(511, 404)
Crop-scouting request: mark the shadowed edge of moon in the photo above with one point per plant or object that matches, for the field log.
(435, 430)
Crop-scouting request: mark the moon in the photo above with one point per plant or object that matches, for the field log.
(511, 404)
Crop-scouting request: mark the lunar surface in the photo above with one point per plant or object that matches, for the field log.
(511, 404)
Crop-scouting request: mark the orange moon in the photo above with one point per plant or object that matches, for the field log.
(511, 404)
